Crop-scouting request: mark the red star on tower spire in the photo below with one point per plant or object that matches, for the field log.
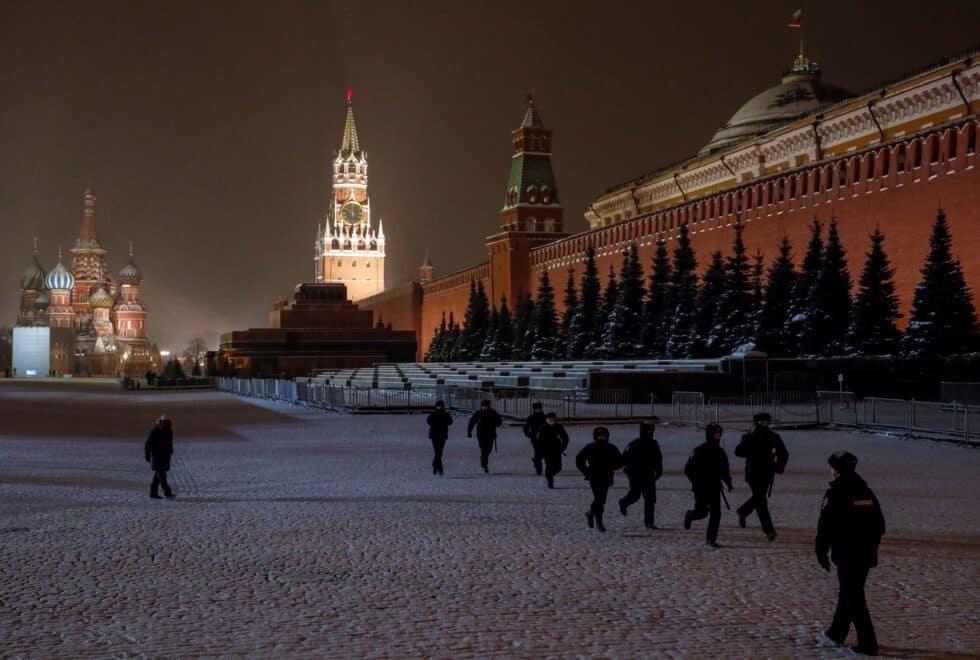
(350, 93)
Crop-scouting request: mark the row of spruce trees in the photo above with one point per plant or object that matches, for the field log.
(736, 305)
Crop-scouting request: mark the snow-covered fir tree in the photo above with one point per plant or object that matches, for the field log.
(489, 352)
(450, 351)
(523, 328)
(545, 321)
(733, 328)
(829, 313)
(683, 297)
(475, 322)
(505, 331)
(653, 339)
(875, 309)
(773, 319)
(438, 346)
(943, 319)
(609, 297)
(570, 301)
(584, 322)
(799, 307)
(620, 338)
(704, 339)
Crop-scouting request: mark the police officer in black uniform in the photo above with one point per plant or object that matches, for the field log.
(551, 441)
(532, 425)
(486, 421)
(765, 456)
(643, 463)
(707, 470)
(598, 460)
(439, 422)
(850, 528)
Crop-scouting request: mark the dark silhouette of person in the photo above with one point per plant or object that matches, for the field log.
(532, 425)
(486, 421)
(707, 470)
(598, 461)
(158, 449)
(850, 527)
(643, 463)
(439, 422)
(551, 441)
(765, 456)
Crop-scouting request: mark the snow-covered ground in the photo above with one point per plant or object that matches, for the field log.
(305, 533)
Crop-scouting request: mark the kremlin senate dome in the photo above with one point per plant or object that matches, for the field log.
(800, 93)
(60, 278)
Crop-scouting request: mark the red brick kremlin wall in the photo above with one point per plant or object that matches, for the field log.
(898, 186)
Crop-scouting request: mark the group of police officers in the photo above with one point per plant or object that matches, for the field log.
(849, 530)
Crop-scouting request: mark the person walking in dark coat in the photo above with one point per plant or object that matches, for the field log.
(486, 421)
(707, 469)
(158, 449)
(551, 441)
(532, 425)
(850, 528)
(598, 461)
(439, 422)
(643, 464)
(765, 456)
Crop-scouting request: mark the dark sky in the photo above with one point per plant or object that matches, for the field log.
(208, 128)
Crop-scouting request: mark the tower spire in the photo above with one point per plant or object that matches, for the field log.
(350, 144)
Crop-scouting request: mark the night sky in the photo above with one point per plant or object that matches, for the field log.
(208, 128)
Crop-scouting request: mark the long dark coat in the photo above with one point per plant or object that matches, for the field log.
(159, 448)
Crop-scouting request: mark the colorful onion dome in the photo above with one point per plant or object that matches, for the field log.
(130, 274)
(42, 301)
(100, 298)
(59, 278)
(33, 278)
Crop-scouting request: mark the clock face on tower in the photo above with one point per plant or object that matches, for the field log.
(351, 213)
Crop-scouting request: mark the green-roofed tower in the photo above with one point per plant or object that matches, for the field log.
(532, 202)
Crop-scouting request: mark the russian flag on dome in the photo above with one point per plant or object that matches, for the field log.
(795, 21)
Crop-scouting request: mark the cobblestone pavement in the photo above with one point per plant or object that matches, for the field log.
(303, 533)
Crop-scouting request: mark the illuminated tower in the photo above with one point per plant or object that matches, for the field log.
(60, 282)
(348, 248)
(88, 264)
(129, 315)
(532, 212)
(32, 292)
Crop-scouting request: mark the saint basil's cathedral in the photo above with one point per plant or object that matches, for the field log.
(96, 322)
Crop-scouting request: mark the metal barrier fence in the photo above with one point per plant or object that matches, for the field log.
(567, 404)
(948, 419)
(956, 421)
(509, 402)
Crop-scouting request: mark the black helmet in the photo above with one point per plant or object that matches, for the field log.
(646, 429)
(536, 405)
(761, 417)
(843, 461)
(485, 403)
(600, 430)
(551, 415)
(712, 429)
(440, 404)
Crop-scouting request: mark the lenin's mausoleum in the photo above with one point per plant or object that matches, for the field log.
(801, 149)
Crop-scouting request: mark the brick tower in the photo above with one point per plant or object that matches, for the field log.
(349, 250)
(532, 212)
(88, 264)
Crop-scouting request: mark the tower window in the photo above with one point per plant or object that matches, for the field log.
(546, 195)
(532, 194)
